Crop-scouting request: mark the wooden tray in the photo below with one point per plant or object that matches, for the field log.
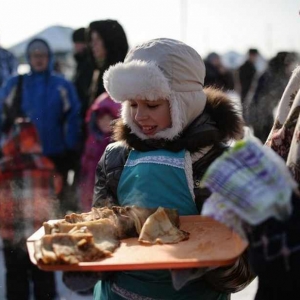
(210, 244)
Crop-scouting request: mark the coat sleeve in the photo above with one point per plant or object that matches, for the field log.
(72, 118)
(102, 194)
(7, 94)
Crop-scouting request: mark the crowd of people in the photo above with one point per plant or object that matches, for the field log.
(128, 115)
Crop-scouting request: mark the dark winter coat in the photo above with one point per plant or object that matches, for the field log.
(216, 125)
(269, 90)
(83, 77)
(246, 75)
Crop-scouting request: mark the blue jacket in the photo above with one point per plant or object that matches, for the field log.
(51, 103)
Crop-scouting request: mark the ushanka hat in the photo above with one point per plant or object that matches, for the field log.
(160, 69)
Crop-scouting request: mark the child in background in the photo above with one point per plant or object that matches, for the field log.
(98, 120)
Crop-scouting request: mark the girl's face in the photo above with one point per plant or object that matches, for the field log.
(103, 123)
(151, 116)
(97, 46)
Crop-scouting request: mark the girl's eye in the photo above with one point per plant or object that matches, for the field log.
(152, 106)
(133, 105)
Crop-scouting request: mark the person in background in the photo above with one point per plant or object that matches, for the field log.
(8, 66)
(98, 121)
(52, 105)
(84, 67)
(109, 45)
(170, 131)
(262, 197)
(268, 92)
(217, 75)
(246, 74)
(254, 194)
(29, 184)
(82, 80)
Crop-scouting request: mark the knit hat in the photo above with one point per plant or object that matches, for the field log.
(160, 69)
(79, 35)
(38, 45)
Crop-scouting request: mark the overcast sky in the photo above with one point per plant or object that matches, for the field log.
(207, 25)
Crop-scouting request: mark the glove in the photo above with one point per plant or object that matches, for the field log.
(83, 281)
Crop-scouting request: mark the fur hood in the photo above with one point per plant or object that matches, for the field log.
(160, 69)
(219, 122)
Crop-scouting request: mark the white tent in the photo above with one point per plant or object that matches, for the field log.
(58, 37)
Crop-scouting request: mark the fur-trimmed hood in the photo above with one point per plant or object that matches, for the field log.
(160, 69)
(219, 122)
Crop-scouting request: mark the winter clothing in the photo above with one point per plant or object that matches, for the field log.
(216, 74)
(84, 69)
(246, 75)
(22, 158)
(29, 184)
(240, 179)
(83, 77)
(38, 45)
(273, 228)
(201, 121)
(208, 129)
(8, 66)
(158, 71)
(219, 122)
(20, 271)
(272, 225)
(116, 46)
(284, 136)
(268, 92)
(79, 35)
(52, 105)
(94, 147)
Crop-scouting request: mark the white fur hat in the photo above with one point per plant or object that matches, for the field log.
(160, 69)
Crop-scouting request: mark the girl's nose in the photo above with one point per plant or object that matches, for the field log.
(140, 115)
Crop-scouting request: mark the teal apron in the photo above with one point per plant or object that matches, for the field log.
(152, 179)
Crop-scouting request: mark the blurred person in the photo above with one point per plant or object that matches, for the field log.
(109, 45)
(8, 65)
(29, 184)
(99, 118)
(84, 67)
(51, 103)
(270, 87)
(82, 80)
(217, 75)
(247, 72)
(254, 193)
(58, 67)
(272, 175)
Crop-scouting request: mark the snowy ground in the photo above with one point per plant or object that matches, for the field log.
(65, 294)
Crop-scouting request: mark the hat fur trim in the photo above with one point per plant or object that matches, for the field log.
(136, 79)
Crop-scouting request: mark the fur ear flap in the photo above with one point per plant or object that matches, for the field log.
(136, 80)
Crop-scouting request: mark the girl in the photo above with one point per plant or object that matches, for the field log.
(98, 120)
(170, 132)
